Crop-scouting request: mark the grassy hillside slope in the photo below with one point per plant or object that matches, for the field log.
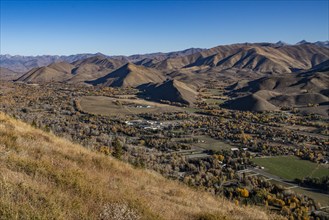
(46, 177)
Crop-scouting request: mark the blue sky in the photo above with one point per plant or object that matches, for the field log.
(131, 27)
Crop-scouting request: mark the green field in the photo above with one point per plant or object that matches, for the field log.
(190, 109)
(209, 143)
(215, 91)
(214, 101)
(291, 167)
(101, 105)
(205, 142)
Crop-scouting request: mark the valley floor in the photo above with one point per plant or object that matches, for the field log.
(204, 146)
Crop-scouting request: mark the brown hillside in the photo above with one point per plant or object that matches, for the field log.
(255, 102)
(45, 177)
(87, 69)
(299, 99)
(7, 74)
(173, 91)
(130, 75)
(93, 68)
(101, 61)
(292, 83)
(62, 67)
(303, 90)
(56, 72)
(87, 72)
(256, 57)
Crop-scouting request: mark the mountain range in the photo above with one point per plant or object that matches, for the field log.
(268, 70)
(21, 64)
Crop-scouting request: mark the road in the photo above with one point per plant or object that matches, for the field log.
(272, 177)
(286, 183)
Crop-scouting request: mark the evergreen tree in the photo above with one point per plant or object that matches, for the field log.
(117, 149)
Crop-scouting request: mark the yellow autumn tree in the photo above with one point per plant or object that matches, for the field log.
(105, 150)
(220, 157)
(243, 192)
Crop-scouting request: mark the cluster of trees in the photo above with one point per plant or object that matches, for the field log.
(306, 153)
(315, 182)
(290, 204)
(165, 144)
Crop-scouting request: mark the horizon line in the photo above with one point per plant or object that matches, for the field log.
(163, 52)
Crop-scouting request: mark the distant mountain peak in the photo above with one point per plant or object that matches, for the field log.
(281, 43)
(322, 43)
(302, 42)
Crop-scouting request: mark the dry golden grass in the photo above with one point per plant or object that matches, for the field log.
(46, 177)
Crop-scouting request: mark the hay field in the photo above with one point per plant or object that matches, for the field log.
(102, 105)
